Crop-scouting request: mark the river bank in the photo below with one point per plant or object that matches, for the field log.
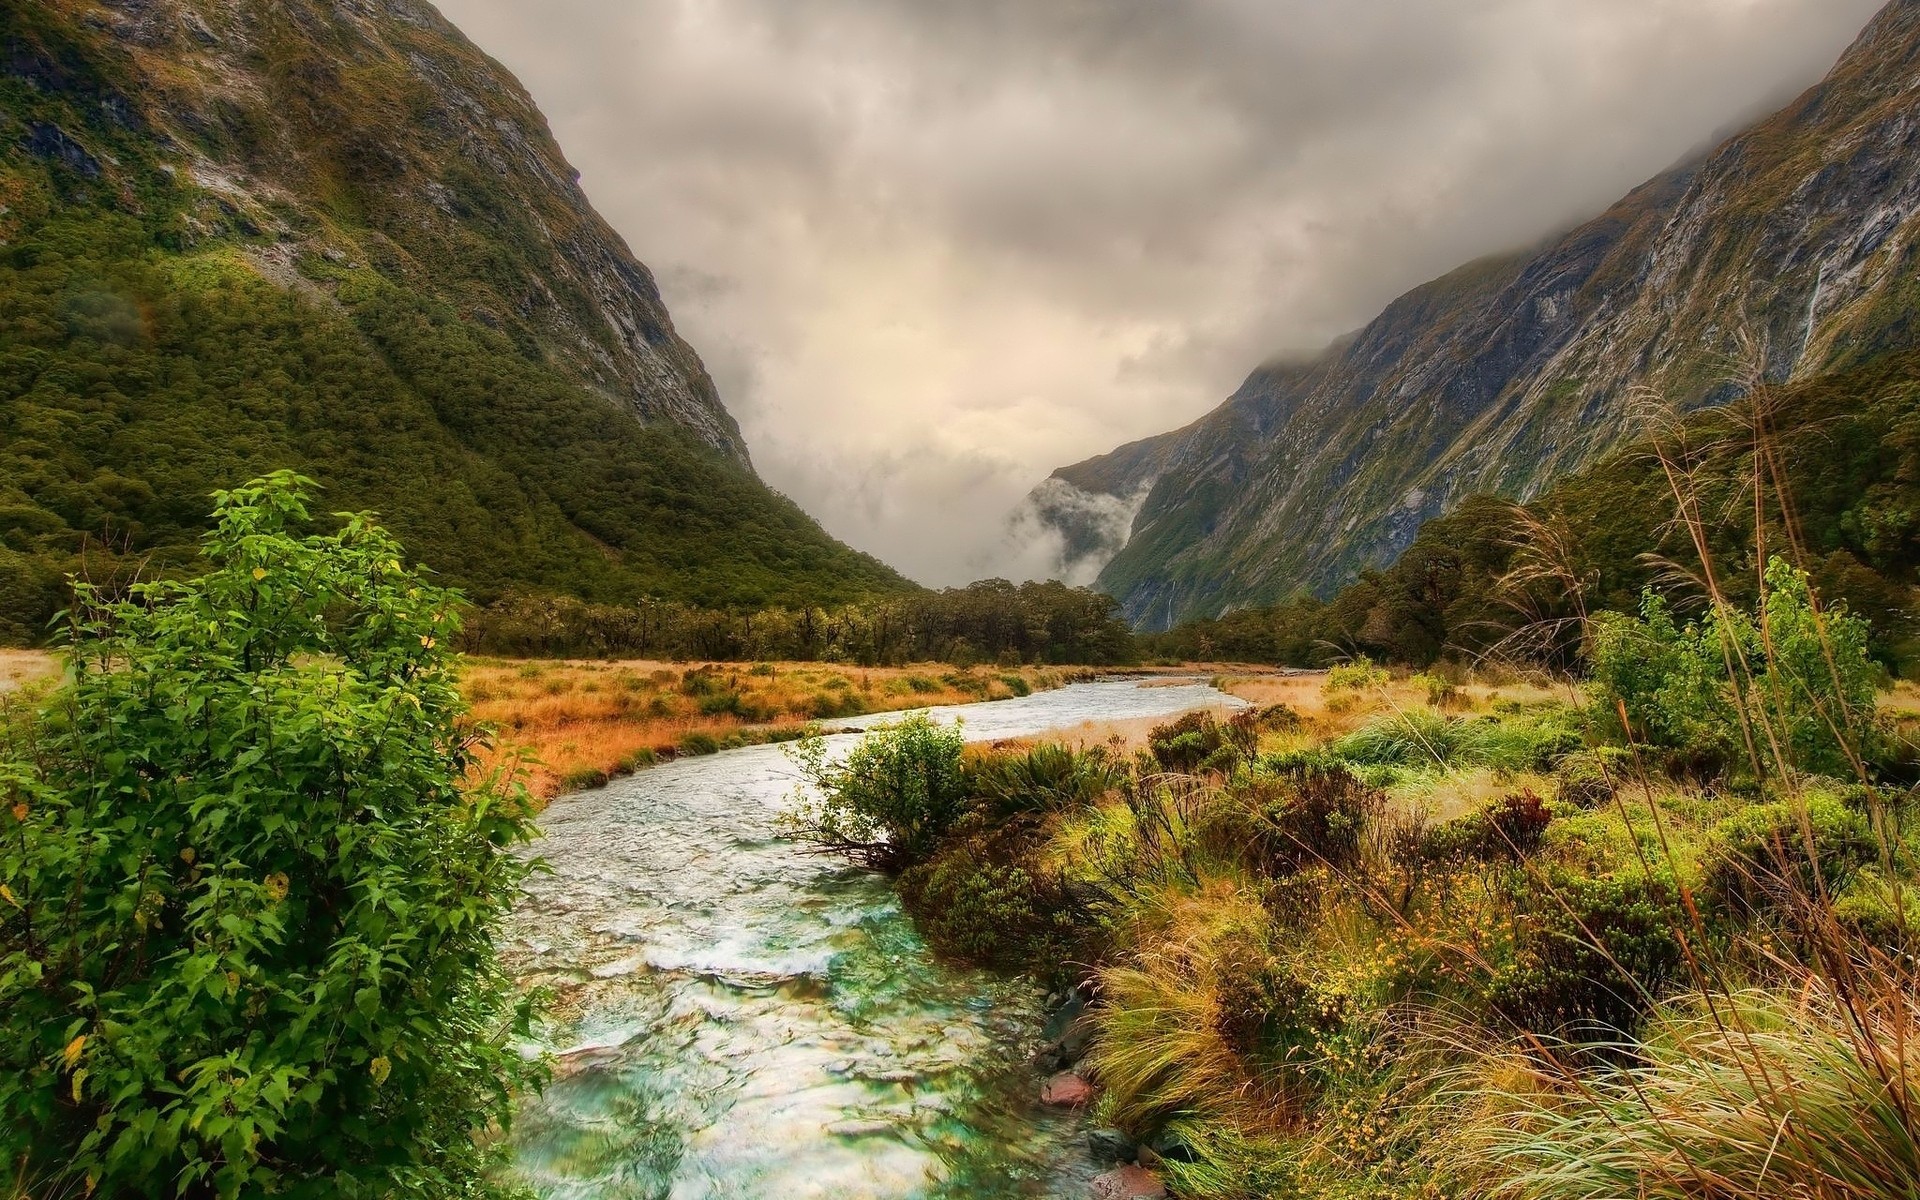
(737, 1017)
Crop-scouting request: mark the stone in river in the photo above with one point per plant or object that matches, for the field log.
(1111, 1146)
(1067, 1090)
(1128, 1183)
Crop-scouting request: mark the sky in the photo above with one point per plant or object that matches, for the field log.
(932, 249)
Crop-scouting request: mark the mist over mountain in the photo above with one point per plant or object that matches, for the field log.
(1792, 241)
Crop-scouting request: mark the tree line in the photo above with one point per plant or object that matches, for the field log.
(989, 621)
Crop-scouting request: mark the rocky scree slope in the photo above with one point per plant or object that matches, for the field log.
(333, 234)
(1797, 236)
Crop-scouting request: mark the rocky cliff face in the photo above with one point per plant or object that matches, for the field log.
(1798, 235)
(333, 236)
(371, 132)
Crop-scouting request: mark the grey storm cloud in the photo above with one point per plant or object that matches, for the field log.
(932, 249)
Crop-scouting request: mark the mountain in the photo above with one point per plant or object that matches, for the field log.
(1796, 236)
(332, 234)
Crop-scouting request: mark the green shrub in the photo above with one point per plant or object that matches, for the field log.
(1307, 816)
(697, 743)
(1800, 679)
(1590, 778)
(984, 902)
(1200, 741)
(921, 685)
(251, 911)
(1512, 826)
(582, 778)
(892, 800)
(1017, 685)
(1360, 675)
(1757, 861)
(1047, 778)
(1590, 955)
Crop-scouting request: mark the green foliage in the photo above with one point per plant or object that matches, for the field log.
(1047, 778)
(1200, 741)
(1793, 688)
(1360, 675)
(1031, 622)
(1780, 857)
(1591, 954)
(888, 804)
(249, 918)
(1422, 738)
(1592, 777)
(987, 902)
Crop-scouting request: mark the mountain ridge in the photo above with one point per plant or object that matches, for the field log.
(334, 235)
(1518, 368)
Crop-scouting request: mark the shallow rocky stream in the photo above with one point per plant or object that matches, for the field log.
(737, 1019)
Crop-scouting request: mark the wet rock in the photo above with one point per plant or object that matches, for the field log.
(1067, 1090)
(1128, 1183)
(1111, 1146)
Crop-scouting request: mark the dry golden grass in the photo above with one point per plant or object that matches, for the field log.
(574, 722)
(23, 666)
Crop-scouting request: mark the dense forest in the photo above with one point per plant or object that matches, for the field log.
(1497, 576)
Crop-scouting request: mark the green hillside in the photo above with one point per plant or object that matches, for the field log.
(169, 332)
(1845, 447)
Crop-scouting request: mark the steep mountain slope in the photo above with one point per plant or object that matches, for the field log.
(1799, 233)
(332, 234)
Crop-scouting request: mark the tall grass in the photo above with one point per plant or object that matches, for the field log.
(1747, 1095)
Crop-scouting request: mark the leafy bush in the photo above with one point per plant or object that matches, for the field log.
(1798, 679)
(1590, 778)
(1757, 861)
(1360, 675)
(1200, 741)
(984, 901)
(1590, 954)
(698, 743)
(888, 805)
(1512, 826)
(249, 908)
(1301, 818)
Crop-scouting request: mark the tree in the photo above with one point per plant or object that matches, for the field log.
(249, 905)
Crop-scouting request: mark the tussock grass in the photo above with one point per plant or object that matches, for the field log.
(1748, 1095)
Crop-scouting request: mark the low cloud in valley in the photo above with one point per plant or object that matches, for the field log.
(931, 250)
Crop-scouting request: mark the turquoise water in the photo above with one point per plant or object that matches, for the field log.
(735, 1018)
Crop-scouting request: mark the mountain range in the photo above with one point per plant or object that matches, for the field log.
(237, 235)
(1784, 253)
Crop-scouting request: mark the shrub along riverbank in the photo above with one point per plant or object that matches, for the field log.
(1649, 937)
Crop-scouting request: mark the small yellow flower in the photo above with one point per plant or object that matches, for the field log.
(71, 1054)
(427, 640)
(186, 855)
(276, 885)
(259, 573)
(379, 1068)
(20, 811)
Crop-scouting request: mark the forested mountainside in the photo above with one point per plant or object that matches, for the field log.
(1796, 236)
(1492, 576)
(237, 235)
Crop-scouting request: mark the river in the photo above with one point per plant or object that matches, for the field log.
(737, 1019)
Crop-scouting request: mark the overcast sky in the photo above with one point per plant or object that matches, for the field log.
(932, 249)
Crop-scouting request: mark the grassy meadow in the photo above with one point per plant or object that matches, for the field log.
(577, 723)
(1392, 935)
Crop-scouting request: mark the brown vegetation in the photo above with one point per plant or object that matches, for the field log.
(575, 724)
